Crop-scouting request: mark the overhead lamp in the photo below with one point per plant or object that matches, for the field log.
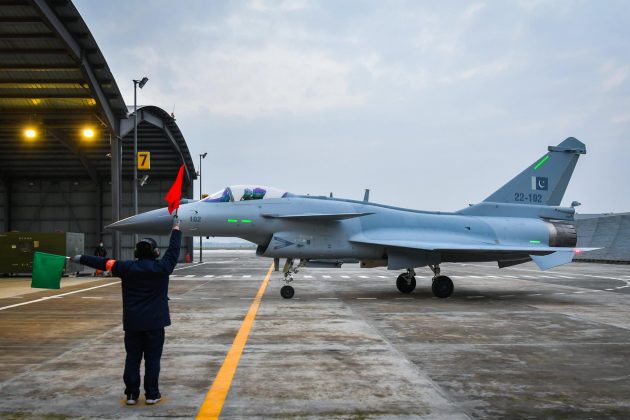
(87, 133)
(143, 82)
(30, 133)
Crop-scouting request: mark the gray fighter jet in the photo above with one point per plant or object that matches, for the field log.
(522, 221)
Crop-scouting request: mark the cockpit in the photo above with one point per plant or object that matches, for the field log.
(245, 193)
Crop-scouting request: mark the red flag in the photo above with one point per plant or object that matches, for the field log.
(174, 195)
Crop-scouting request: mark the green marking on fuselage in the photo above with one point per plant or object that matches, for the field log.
(543, 160)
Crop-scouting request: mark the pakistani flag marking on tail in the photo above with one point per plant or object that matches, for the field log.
(540, 183)
(47, 270)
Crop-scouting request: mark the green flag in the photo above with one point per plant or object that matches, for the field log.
(47, 270)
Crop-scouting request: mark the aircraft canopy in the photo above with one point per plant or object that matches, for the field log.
(244, 193)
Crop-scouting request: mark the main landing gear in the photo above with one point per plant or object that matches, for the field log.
(289, 270)
(442, 286)
(406, 282)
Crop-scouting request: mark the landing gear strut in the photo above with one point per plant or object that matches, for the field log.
(288, 271)
(406, 282)
(442, 286)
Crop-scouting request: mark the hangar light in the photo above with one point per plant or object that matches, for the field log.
(30, 133)
(88, 133)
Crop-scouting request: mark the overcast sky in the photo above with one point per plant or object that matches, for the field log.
(431, 105)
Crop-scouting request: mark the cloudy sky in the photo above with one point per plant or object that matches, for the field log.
(431, 105)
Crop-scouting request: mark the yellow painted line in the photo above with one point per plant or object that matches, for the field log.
(213, 403)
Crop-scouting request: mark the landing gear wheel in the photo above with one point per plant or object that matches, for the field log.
(287, 292)
(406, 283)
(442, 287)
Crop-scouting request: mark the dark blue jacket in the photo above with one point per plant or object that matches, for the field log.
(144, 286)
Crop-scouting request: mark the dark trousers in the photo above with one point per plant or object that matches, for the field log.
(149, 344)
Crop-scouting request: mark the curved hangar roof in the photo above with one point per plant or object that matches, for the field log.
(55, 81)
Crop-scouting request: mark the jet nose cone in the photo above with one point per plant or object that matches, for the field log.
(152, 222)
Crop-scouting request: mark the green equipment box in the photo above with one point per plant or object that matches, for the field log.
(17, 249)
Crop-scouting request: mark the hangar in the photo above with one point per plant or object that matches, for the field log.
(66, 134)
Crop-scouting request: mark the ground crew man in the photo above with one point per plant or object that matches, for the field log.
(145, 309)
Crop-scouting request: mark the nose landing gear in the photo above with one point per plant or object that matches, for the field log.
(288, 271)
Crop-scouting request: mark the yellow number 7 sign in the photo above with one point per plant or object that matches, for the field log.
(144, 161)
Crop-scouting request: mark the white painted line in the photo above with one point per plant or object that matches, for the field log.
(366, 298)
(559, 293)
(190, 266)
(308, 277)
(534, 294)
(246, 276)
(327, 298)
(577, 293)
(207, 298)
(174, 298)
(57, 296)
(226, 276)
(564, 277)
(529, 277)
(473, 277)
(609, 289)
(364, 277)
(209, 276)
(345, 277)
(326, 277)
(383, 277)
(189, 276)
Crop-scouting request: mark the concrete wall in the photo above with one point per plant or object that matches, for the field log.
(78, 206)
(609, 232)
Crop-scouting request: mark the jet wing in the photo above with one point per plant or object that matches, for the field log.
(315, 217)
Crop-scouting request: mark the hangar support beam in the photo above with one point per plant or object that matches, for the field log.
(78, 53)
(116, 164)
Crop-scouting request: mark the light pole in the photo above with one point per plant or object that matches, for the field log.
(201, 156)
(136, 84)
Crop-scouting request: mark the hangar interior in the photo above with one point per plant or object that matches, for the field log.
(66, 134)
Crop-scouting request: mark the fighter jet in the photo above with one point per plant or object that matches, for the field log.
(520, 222)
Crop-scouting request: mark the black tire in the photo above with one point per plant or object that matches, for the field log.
(442, 287)
(403, 286)
(287, 292)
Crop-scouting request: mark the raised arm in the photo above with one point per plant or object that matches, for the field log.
(169, 260)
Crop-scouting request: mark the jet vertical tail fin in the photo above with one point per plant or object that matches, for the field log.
(545, 181)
